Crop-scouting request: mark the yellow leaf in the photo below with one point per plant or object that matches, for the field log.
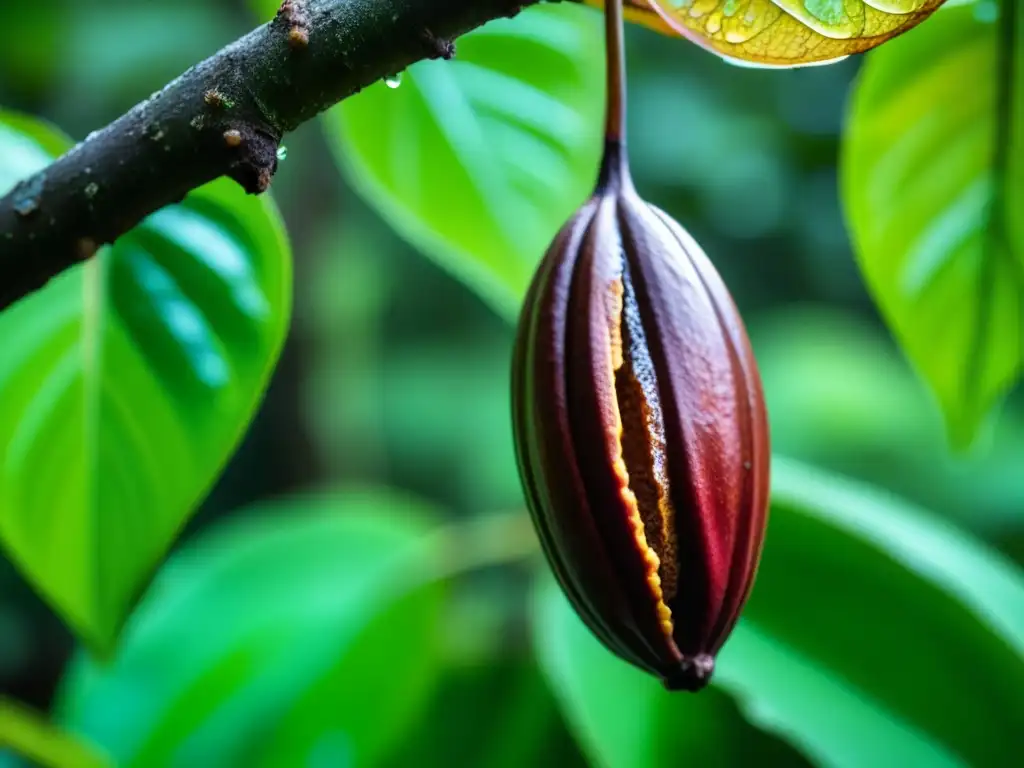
(781, 32)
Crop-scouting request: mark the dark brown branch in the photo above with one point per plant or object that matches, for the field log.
(223, 117)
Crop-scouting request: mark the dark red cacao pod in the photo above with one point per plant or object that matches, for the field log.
(641, 433)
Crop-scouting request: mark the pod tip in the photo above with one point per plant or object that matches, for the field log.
(691, 674)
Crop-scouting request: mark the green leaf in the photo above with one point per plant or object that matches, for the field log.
(875, 636)
(28, 144)
(29, 735)
(496, 712)
(480, 160)
(305, 633)
(126, 384)
(932, 181)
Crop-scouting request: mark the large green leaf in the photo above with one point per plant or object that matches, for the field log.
(933, 178)
(875, 636)
(126, 384)
(479, 161)
(306, 633)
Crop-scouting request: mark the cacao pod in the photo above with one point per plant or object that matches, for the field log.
(641, 433)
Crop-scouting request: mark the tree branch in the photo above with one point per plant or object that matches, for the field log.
(223, 117)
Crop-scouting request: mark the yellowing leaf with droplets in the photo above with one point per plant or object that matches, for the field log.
(782, 32)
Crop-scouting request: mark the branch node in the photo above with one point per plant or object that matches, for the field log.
(298, 38)
(438, 47)
(257, 159)
(292, 15)
(214, 98)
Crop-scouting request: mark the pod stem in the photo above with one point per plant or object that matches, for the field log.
(615, 48)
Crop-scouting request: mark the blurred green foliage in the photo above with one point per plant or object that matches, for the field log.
(269, 686)
(289, 635)
(42, 743)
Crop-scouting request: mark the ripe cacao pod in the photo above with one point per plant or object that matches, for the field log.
(641, 433)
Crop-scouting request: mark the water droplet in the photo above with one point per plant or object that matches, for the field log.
(26, 206)
(393, 81)
(27, 194)
(282, 152)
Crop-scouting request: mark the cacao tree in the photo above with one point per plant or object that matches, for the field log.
(614, 476)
